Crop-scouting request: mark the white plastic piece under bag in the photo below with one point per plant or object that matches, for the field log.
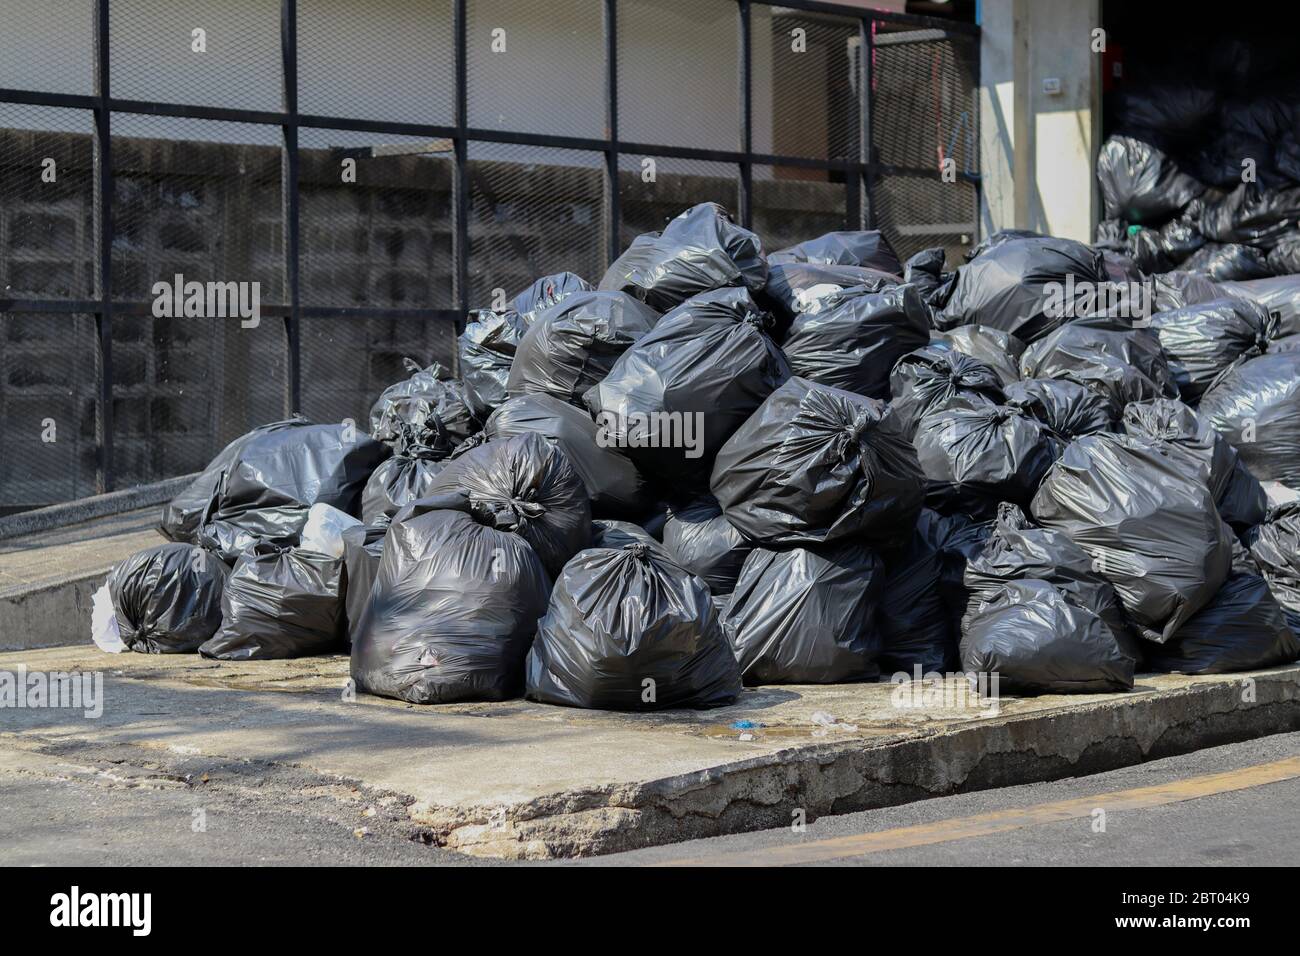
(323, 532)
(103, 623)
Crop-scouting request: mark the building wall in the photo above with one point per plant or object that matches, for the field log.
(1039, 149)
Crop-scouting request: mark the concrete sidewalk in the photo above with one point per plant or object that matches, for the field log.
(47, 577)
(524, 780)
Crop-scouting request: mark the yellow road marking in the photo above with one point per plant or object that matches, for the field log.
(1000, 821)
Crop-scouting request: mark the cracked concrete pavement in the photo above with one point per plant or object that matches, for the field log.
(276, 741)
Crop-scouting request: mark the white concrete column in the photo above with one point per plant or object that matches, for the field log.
(1040, 116)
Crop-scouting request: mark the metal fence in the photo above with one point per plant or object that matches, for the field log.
(142, 140)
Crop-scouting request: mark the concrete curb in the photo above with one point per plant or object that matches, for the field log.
(87, 509)
(852, 775)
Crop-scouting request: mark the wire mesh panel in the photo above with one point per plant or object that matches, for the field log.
(678, 73)
(47, 409)
(533, 211)
(805, 69)
(184, 387)
(375, 219)
(537, 66)
(199, 214)
(348, 361)
(47, 45)
(201, 52)
(46, 203)
(381, 60)
(919, 212)
(792, 204)
(197, 198)
(925, 107)
(924, 125)
(654, 189)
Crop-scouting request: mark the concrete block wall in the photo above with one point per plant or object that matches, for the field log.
(212, 211)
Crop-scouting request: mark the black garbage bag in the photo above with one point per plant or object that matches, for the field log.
(915, 623)
(1239, 495)
(1233, 261)
(628, 630)
(277, 476)
(452, 610)
(867, 248)
(974, 458)
(1252, 214)
(406, 476)
(167, 599)
(1016, 550)
(1038, 640)
(655, 522)
(1279, 296)
(999, 238)
(1111, 235)
(1140, 184)
(704, 542)
(1242, 629)
(487, 350)
(998, 350)
(435, 407)
(807, 615)
(796, 287)
(1275, 548)
(1152, 530)
(672, 399)
(363, 546)
(184, 514)
(278, 603)
(1169, 111)
(572, 345)
(925, 271)
(852, 339)
(957, 539)
(1256, 405)
(1019, 286)
(547, 292)
(1202, 341)
(815, 464)
(613, 483)
(1069, 409)
(611, 533)
(1108, 355)
(699, 251)
(525, 485)
(1284, 258)
(937, 377)
(1173, 290)
(1159, 250)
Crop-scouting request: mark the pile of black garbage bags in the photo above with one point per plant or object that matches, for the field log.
(720, 468)
(1201, 172)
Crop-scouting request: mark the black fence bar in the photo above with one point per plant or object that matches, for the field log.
(867, 178)
(613, 214)
(103, 234)
(460, 187)
(746, 120)
(289, 201)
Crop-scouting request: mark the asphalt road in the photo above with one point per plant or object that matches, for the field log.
(1188, 821)
(1204, 809)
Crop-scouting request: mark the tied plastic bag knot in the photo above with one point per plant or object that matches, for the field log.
(759, 320)
(509, 515)
(851, 436)
(639, 551)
